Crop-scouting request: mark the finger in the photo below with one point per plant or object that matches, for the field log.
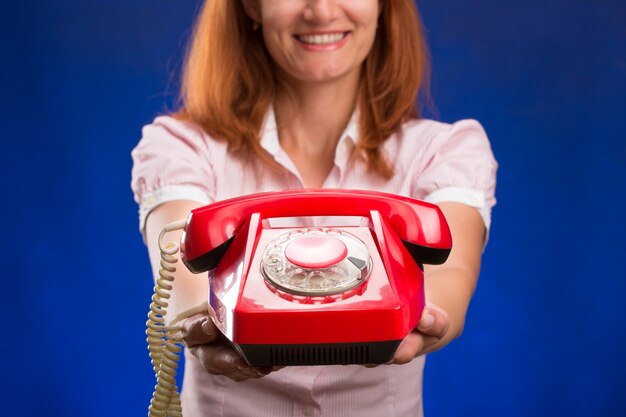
(199, 330)
(429, 345)
(247, 373)
(220, 359)
(409, 348)
(434, 322)
(413, 345)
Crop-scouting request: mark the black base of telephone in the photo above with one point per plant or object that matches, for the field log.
(262, 356)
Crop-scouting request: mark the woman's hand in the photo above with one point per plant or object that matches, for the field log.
(215, 352)
(448, 287)
(432, 327)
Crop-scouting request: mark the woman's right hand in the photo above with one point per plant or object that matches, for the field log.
(215, 352)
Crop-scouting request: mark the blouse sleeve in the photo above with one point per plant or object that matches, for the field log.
(460, 168)
(171, 162)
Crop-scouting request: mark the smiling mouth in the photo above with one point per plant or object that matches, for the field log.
(321, 39)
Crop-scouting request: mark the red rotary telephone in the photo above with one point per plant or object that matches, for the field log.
(311, 277)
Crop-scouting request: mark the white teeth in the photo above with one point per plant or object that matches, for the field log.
(321, 39)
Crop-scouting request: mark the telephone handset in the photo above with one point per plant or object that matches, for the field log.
(294, 276)
(420, 225)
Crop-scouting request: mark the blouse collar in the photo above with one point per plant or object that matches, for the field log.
(269, 134)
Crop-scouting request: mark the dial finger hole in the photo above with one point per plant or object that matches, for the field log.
(297, 278)
(334, 276)
(317, 279)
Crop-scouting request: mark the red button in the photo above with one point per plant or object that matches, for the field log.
(316, 252)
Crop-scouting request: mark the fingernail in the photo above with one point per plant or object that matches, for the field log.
(205, 327)
(427, 321)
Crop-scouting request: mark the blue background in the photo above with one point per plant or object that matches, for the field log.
(545, 332)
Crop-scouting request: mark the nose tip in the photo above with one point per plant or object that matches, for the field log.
(321, 11)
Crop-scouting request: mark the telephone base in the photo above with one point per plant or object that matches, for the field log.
(319, 354)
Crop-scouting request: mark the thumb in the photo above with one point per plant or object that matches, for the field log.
(199, 330)
(434, 321)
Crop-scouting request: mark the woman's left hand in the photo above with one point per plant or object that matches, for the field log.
(423, 339)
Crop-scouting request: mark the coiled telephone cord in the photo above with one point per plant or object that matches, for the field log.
(164, 341)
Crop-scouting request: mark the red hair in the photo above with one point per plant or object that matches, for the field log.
(229, 84)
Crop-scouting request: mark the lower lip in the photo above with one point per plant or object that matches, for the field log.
(325, 47)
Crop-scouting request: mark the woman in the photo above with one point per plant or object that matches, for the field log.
(281, 94)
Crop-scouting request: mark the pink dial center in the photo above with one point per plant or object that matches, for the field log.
(316, 252)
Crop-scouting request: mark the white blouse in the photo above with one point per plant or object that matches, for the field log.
(433, 161)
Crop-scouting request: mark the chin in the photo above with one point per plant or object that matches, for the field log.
(326, 75)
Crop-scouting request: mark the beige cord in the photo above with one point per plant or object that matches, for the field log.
(164, 342)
